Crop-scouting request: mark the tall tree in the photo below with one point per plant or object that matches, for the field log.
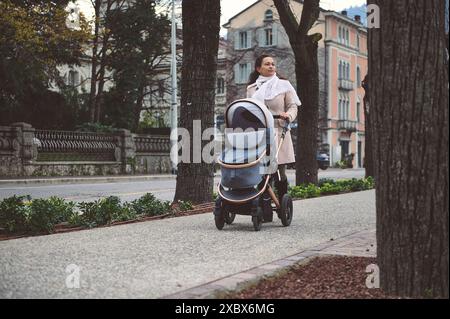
(201, 25)
(409, 124)
(139, 43)
(304, 46)
(34, 40)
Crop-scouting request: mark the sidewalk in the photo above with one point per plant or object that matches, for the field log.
(360, 244)
(184, 256)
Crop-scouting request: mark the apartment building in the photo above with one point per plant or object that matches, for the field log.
(342, 59)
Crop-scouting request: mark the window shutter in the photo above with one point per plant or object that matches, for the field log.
(249, 39)
(262, 37)
(236, 40)
(275, 34)
(249, 70)
(237, 77)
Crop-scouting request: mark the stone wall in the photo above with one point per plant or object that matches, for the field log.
(26, 152)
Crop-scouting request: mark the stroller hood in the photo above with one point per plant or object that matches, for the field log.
(255, 107)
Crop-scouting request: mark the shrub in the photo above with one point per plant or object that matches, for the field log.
(95, 127)
(305, 191)
(329, 188)
(46, 213)
(323, 181)
(185, 205)
(100, 212)
(149, 205)
(14, 213)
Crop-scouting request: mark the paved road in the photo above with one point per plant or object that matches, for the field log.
(163, 189)
(157, 258)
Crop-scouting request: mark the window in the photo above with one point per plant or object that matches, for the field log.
(220, 86)
(242, 72)
(268, 16)
(357, 41)
(340, 70)
(73, 78)
(347, 110)
(358, 76)
(340, 35)
(358, 110)
(242, 40)
(347, 73)
(347, 37)
(268, 37)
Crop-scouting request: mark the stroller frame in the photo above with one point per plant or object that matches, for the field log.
(259, 203)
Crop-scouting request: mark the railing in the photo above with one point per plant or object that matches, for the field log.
(76, 146)
(345, 84)
(347, 125)
(152, 144)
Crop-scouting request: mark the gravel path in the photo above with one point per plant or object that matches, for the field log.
(157, 258)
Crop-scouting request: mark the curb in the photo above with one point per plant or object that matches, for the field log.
(82, 180)
(361, 244)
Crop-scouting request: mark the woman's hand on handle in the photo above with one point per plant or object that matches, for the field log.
(285, 116)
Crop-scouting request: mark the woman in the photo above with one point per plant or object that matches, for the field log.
(281, 99)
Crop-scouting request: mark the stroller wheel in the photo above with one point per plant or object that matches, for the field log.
(229, 218)
(220, 221)
(286, 210)
(219, 216)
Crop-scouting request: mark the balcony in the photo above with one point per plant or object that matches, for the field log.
(345, 84)
(347, 125)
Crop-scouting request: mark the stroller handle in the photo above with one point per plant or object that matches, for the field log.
(278, 117)
(286, 121)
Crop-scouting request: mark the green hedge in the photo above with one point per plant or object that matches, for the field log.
(22, 214)
(329, 186)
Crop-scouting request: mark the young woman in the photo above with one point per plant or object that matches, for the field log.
(281, 99)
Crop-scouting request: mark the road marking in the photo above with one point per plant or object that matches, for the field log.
(121, 194)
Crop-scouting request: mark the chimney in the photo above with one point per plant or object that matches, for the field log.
(344, 12)
(358, 18)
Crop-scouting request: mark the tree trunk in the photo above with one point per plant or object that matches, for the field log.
(308, 119)
(201, 25)
(409, 122)
(101, 79)
(92, 93)
(368, 154)
(307, 74)
(139, 104)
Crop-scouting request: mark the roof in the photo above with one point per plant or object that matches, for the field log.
(227, 25)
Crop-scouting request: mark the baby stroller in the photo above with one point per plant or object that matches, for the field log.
(248, 164)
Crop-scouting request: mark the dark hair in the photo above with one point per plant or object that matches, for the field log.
(258, 63)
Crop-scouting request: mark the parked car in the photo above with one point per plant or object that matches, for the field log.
(323, 161)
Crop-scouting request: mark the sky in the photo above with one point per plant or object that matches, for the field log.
(230, 8)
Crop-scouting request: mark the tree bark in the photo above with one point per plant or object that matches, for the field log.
(409, 121)
(307, 74)
(201, 25)
(368, 154)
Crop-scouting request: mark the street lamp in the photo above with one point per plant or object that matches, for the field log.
(174, 108)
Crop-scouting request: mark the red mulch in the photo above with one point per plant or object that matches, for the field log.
(335, 277)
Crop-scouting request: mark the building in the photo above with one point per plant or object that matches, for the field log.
(342, 58)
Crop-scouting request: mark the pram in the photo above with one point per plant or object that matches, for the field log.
(248, 166)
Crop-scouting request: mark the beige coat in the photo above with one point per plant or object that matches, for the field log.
(282, 103)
